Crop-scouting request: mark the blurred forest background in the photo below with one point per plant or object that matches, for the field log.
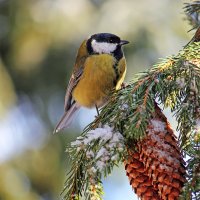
(38, 44)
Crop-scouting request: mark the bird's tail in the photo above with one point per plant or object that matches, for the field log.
(66, 118)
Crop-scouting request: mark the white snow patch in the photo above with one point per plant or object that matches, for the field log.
(198, 124)
(76, 143)
(104, 134)
(89, 154)
(165, 167)
(159, 126)
(100, 165)
(115, 157)
(180, 82)
(102, 152)
(124, 106)
(92, 170)
(110, 145)
(155, 138)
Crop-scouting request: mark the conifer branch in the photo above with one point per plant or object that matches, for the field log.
(192, 11)
(174, 83)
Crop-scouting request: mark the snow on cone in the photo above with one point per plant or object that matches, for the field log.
(156, 171)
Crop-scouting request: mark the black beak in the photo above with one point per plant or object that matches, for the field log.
(123, 42)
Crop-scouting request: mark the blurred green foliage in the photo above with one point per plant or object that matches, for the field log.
(38, 43)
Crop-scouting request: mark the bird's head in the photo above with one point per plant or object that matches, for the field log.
(105, 43)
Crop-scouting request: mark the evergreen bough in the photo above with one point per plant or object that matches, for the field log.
(173, 83)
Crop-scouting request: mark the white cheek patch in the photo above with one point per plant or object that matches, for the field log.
(103, 47)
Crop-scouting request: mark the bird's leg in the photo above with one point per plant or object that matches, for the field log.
(97, 110)
(98, 124)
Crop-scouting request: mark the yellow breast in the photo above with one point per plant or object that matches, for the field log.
(98, 79)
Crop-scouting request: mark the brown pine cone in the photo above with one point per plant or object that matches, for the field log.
(156, 170)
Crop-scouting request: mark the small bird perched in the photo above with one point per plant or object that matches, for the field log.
(100, 67)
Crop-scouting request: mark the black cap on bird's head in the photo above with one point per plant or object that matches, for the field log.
(106, 43)
(109, 38)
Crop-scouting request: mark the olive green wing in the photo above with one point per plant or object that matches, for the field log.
(76, 74)
(75, 77)
(70, 106)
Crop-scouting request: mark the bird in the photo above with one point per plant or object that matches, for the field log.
(100, 67)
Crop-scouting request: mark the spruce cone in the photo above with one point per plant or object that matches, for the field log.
(156, 171)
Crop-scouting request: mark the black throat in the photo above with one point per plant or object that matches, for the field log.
(118, 53)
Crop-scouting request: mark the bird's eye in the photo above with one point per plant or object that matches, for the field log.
(110, 40)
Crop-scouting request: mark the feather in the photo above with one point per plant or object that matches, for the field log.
(70, 105)
(67, 117)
